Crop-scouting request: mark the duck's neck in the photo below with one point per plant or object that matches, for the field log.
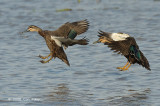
(40, 31)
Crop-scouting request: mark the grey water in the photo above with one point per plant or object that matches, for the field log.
(92, 79)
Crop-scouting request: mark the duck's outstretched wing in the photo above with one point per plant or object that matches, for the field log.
(71, 30)
(122, 47)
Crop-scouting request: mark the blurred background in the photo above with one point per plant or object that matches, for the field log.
(92, 79)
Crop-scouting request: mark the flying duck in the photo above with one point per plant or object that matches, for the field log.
(126, 45)
(62, 38)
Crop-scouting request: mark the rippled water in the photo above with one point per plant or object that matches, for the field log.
(92, 78)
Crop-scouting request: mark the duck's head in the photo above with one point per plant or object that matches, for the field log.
(102, 39)
(33, 28)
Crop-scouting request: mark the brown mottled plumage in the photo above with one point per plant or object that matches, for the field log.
(125, 45)
(79, 26)
(62, 37)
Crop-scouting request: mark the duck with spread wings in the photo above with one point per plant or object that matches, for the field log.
(126, 45)
(62, 38)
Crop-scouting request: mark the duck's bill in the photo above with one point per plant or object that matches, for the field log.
(96, 42)
(25, 31)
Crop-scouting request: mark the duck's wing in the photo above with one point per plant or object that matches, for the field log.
(122, 47)
(106, 34)
(144, 62)
(129, 47)
(59, 52)
(71, 30)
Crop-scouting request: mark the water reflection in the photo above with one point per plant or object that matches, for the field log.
(61, 95)
(135, 98)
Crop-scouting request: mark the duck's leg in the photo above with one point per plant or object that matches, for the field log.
(122, 68)
(42, 61)
(127, 67)
(44, 57)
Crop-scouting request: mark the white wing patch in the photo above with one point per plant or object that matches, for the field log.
(56, 40)
(119, 36)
